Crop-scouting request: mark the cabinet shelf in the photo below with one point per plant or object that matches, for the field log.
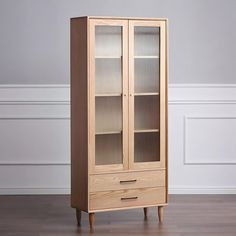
(145, 94)
(146, 57)
(146, 130)
(108, 95)
(108, 57)
(109, 132)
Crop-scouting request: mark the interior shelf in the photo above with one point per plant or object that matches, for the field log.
(109, 132)
(108, 95)
(108, 57)
(148, 57)
(145, 94)
(146, 130)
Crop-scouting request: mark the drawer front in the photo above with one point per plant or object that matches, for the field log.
(130, 180)
(127, 198)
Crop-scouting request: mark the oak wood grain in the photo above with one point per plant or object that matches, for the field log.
(126, 198)
(117, 181)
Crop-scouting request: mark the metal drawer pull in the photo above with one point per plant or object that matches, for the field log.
(129, 198)
(128, 181)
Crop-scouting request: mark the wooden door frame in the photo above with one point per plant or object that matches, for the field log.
(163, 95)
(91, 97)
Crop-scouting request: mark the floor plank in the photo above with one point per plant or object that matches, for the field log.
(51, 215)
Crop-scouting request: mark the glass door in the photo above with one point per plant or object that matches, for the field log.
(109, 102)
(147, 94)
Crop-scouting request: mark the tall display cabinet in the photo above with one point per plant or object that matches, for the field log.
(118, 114)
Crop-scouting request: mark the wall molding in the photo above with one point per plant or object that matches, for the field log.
(52, 101)
(207, 117)
(38, 94)
(38, 163)
(38, 191)
(202, 190)
(58, 94)
(23, 163)
(171, 85)
(195, 94)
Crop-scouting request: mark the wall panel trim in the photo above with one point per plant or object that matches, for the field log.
(186, 161)
(186, 101)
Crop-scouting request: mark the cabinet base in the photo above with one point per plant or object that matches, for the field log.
(145, 210)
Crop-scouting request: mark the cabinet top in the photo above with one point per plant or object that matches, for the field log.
(120, 17)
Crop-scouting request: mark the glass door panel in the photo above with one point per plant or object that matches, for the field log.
(146, 101)
(146, 75)
(108, 149)
(146, 41)
(146, 112)
(146, 148)
(108, 115)
(109, 90)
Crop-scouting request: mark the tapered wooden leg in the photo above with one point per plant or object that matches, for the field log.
(160, 213)
(78, 216)
(91, 220)
(145, 211)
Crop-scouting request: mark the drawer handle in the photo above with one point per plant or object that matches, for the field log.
(128, 181)
(128, 198)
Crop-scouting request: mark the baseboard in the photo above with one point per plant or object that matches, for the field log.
(203, 190)
(32, 191)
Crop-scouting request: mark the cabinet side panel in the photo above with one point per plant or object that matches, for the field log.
(167, 70)
(79, 115)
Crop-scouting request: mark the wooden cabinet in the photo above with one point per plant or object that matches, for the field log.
(118, 114)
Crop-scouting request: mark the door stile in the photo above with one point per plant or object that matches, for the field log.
(163, 101)
(125, 101)
(131, 94)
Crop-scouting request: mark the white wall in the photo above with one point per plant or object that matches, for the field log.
(35, 140)
(35, 38)
(34, 118)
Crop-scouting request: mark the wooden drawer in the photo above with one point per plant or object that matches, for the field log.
(127, 198)
(129, 180)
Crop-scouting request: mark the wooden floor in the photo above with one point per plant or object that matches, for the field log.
(187, 215)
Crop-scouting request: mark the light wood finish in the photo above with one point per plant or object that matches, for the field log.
(126, 198)
(145, 211)
(118, 181)
(91, 220)
(106, 172)
(79, 120)
(123, 18)
(163, 101)
(146, 94)
(78, 216)
(146, 130)
(160, 213)
(166, 105)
